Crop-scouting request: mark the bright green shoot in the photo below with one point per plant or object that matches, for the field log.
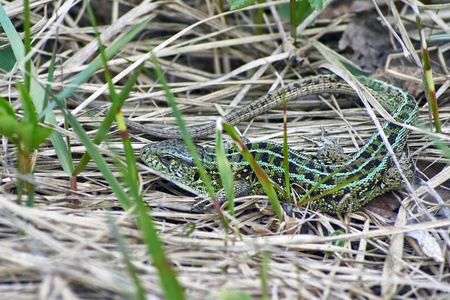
(266, 183)
(26, 135)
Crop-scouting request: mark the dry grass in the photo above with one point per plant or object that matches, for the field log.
(60, 251)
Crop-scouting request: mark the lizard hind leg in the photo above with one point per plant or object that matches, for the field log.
(330, 152)
(392, 177)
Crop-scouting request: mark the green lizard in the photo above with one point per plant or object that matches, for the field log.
(371, 168)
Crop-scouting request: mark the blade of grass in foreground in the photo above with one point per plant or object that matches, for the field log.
(262, 176)
(188, 140)
(184, 132)
(225, 172)
(37, 92)
(140, 291)
(287, 180)
(78, 129)
(96, 157)
(171, 287)
(108, 120)
(117, 99)
(428, 81)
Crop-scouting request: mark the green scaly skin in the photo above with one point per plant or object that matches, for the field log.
(372, 165)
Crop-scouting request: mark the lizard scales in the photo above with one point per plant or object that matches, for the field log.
(372, 165)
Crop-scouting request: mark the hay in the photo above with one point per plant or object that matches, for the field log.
(58, 250)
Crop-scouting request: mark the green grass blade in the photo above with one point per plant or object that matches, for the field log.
(172, 288)
(184, 132)
(237, 4)
(96, 157)
(266, 183)
(27, 41)
(36, 90)
(110, 51)
(265, 275)
(140, 291)
(108, 119)
(225, 172)
(285, 152)
(428, 80)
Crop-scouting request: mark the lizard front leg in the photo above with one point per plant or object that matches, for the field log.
(204, 204)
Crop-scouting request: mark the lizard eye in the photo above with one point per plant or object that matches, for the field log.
(167, 158)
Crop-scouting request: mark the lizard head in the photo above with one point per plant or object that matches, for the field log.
(171, 160)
